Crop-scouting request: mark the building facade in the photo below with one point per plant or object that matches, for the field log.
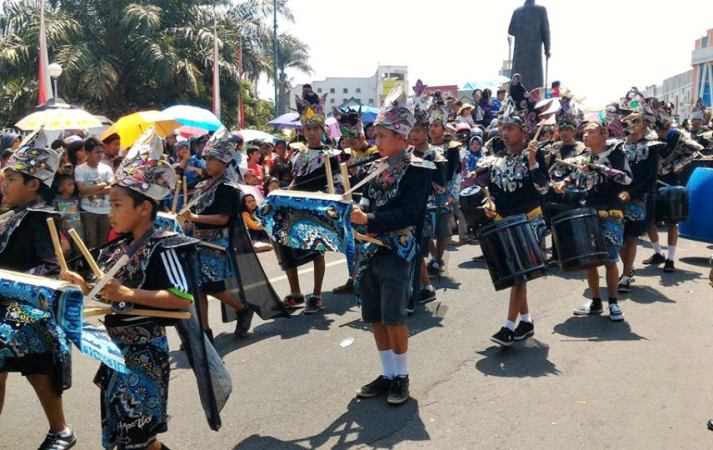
(369, 91)
(702, 62)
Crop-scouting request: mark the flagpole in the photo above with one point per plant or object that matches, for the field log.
(216, 70)
(43, 79)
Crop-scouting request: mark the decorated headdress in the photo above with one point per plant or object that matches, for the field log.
(311, 112)
(569, 114)
(148, 143)
(221, 146)
(634, 104)
(154, 178)
(34, 158)
(662, 112)
(421, 104)
(350, 124)
(393, 116)
(514, 116)
(699, 110)
(438, 110)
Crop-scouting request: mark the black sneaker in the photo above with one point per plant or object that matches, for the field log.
(710, 424)
(245, 318)
(346, 288)
(503, 337)
(588, 309)
(524, 330)
(374, 389)
(655, 259)
(314, 304)
(435, 267)
(669, 267)
(427, 296)
(398, 391)
(624, 284)
(59, 441)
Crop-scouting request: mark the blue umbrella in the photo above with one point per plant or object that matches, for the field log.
(290, 119)
(194, 116)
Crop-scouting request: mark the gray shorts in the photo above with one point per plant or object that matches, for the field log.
(385, 288)
(443, 225)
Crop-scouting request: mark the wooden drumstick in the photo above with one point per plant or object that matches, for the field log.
(367, 238)
(661, 182)
(56, 245)
(185, 189)
(176, 192)
(91, 311)
(345, 181)
(87, 255)
(328, 170)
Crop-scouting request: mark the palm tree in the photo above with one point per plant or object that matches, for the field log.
(291, 54)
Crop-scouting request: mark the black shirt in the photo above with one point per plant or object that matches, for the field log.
(29, 245)
(226, 202)
(515, 188)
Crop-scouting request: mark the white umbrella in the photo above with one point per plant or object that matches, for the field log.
(255, 135)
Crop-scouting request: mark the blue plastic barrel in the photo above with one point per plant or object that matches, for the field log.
(699, 226)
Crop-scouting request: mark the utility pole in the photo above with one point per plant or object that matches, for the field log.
(274, 57)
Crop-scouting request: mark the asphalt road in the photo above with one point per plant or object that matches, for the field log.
(578, 383)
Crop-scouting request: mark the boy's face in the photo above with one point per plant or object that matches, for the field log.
(15, 191)
(66, 187)
(214, 166)
(124, 215)
(96, 155)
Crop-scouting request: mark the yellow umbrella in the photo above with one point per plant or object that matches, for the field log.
(59, 119)
(131, 127)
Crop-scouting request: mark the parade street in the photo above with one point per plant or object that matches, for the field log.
(578, 383)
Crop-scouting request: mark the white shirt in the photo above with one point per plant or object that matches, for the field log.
(97, 204)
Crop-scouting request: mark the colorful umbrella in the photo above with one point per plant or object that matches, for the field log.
(253, 135)
(194, 116)
(59, 118)
(130, 127)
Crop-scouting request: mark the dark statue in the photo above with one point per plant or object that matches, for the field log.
(531, 29)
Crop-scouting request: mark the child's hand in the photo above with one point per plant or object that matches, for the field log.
(115, 291)
(75, 278)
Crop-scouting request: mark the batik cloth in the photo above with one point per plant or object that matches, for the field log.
(134, 405)
(310, 223)
(613, 232)
(215, 267)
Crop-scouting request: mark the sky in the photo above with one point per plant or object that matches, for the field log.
(599, 48)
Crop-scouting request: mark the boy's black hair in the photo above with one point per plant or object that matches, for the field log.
(92, 143)
(61, 178)
(252, 149)
(138, 198)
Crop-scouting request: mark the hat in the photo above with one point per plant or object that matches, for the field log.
(72, 139)
(393, 116)
(513, 116)
(148, 143)
(35, 159)
(311, 110)
(154, 178)
(220, 146)
(464, 107)
(350, 124)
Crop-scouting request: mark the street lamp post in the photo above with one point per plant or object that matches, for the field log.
(274, 57)
(55, 71)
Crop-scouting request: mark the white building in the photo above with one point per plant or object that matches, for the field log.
(369, 91)
(676, 90)
(702, 62)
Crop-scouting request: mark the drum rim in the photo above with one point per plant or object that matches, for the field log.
(574, 213)
(516, 219)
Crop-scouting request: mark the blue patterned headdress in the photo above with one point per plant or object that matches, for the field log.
(393, 116)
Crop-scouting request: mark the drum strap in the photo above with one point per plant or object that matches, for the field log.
(530, 215)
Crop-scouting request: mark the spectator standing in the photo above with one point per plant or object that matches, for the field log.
(94, 180)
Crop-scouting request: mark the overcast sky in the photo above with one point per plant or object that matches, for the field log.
(599, 49)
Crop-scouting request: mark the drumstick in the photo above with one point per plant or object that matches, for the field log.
(92, 311)
(185, 189)
(211, 245)
(345, 181)
(367, 238)
(106, 278)
(56, 244)
(87, 255)
(661, 182)
(7, 215)
(176, 191)
(328, 169)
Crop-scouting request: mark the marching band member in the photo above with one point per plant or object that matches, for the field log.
(680, 150)
(212, 216)
(134, 404)
(309, 174)
(517, 180)
(641, 150)
(31, 342)
(603, 177)
(394, 206)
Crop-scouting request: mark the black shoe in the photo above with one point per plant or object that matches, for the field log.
(427, 296)
(669, 267)
(374, 389)
(590, 308)
(435, 267)
(710, 424)
(398, 391)
(503, 337)
(524, 330)
(655, 259)
(346, 288)
(59, 441)
(624, 284)
(245, 318)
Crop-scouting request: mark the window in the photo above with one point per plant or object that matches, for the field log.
(371, 101)
(358, 90)
(346, 91)
(331, 100)
(319, 90)
(331, 90)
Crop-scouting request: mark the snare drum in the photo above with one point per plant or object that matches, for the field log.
(579, 240)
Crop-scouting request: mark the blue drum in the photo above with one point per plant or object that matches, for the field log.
(699, 226)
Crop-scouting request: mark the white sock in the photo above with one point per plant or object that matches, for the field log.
(526, 318)
(387, 363)
(401, 364)
(430, 288)
(657, 248)
(671, 252)
(509, 324)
